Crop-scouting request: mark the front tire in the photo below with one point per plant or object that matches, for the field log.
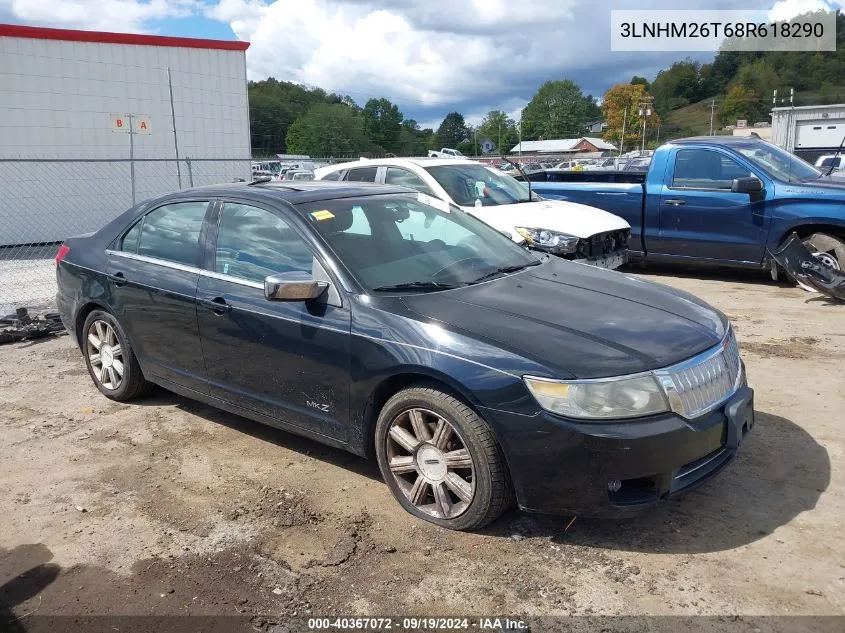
(827, 249)
(440, 460)
(110, 359)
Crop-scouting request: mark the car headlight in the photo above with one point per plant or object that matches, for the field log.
(548, 240)
(603, 399)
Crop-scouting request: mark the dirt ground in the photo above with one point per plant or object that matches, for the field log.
(171, 507)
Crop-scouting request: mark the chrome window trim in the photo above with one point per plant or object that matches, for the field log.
(188, 269)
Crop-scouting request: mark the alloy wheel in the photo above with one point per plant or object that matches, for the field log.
(827, 259)
(105, 354)
(430, 463)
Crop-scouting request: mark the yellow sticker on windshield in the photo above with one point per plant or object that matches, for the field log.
(325, 214)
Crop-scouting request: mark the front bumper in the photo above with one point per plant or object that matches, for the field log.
(561, 466)
(611, 260)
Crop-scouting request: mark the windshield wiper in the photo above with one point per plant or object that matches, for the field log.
(416, 285)
(504, 270)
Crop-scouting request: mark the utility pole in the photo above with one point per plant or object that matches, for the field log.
(712, 110)
(501, 149)
(789, 123)
(624, 121)
(645, 112)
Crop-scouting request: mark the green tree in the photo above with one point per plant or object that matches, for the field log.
(412, 140)
(274, 106)
(740, 103)
(621, 107)
(637, 80)
(557, 110)
(328, 129)
(382, 123)
(501, 129)
(677, 86)
(760, 78)
(452, 131)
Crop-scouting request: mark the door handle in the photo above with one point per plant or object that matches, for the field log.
(675, 202)
(217, 305)
(117, 279)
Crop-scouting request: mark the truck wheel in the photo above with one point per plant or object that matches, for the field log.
(440, 459)
(110, 360)
(829, 250)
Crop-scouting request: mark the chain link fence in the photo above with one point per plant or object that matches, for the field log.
(47, 201)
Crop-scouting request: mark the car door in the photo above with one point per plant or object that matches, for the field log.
(285, 360)
(153, 273)
(699, 215)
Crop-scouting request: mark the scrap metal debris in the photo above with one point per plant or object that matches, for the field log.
(800, 264)
(21, 326)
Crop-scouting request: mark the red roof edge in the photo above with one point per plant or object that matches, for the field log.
(101, 37)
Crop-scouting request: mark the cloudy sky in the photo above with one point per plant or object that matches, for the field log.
(429, 56)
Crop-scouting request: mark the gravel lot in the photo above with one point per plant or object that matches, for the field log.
(170, 507)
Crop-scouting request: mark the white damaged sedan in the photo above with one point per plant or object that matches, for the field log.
(573, 231)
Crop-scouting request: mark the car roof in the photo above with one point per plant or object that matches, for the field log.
(400, 162)
(293, 191)
(720, 140)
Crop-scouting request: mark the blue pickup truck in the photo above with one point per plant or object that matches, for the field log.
(717, 201)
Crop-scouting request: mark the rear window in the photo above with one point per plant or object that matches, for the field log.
(362, 174)
(172, 232)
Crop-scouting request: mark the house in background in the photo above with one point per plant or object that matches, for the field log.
(487, 145)
(596, 127)
(583, 145)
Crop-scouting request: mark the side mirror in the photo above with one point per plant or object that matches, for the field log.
(284, 288)
(748, 184)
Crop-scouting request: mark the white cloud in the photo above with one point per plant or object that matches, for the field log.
(788, 9)
(430, 52)
(103, 15)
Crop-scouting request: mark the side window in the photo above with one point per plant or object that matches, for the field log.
(129, 241)
(705, 169)
(362, 174)
(254, 243)
(405, 178)
(335, 175)
(419, 227)
(172, 232)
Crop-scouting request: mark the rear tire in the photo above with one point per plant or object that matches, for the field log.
(110, 359)
(441, 460)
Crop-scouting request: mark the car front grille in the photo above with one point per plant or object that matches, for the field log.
(703, 382)
(603, 244)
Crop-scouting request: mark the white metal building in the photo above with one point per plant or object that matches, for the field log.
(67, 102)
(809, 131)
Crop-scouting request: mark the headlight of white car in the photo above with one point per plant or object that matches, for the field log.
(603, 399)
(548, 240)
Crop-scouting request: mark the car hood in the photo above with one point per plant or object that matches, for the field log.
(557, 215)
(826, 186)
(579, 321)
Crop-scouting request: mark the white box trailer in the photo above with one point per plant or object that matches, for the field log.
(66, 99)
(809, 131)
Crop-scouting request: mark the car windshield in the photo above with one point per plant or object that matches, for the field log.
(467, 183)
(413, 243)
(779, 163)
